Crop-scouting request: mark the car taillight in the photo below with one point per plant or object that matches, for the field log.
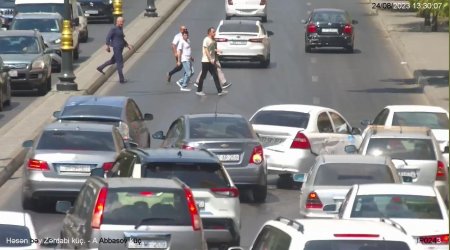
(193, 212)
(187, 147)
(231, 192)
(256, 40)
(219, 40)
(348, 29)
(311, 28)
(300, 141)
(257, 155)
(97, 216)
(230, 2)
(440, 173)
(107, 166)
(34, 164)
(263, 2)
(313, 201)
(357, 235)
(434, 239)
(124, 130)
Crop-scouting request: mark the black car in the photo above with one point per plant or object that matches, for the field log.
(98, 9)
(6, 12)
(329, 28)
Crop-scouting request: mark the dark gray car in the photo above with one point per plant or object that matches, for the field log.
(231, 138)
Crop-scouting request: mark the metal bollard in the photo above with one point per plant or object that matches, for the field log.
(150, 11)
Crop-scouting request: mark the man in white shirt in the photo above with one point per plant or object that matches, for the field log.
(185, 59)
(176, 40)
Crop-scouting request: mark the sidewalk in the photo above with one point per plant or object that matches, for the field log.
(425, 54)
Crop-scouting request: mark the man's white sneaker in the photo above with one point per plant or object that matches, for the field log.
(185, 89)
(179, 84)
(196, 84)
(201, 93)
(224, 92)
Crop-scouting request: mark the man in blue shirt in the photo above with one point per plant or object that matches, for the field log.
(116, 40)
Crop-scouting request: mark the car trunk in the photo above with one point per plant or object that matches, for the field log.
(332, 29)
(247, 3)
(236, 39)
(421, 171)
(231, 152)
(210, 203)
(331, 194)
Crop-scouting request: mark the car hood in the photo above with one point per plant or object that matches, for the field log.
(18, 58)
(50, 36)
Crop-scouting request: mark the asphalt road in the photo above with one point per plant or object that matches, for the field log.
(358, 85)
(97, 34)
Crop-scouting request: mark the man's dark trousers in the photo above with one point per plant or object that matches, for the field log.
(117, 58)
(176, 69)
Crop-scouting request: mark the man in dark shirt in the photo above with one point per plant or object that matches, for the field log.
(116, 40)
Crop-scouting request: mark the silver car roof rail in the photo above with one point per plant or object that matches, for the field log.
(290, 222)
(393, 223)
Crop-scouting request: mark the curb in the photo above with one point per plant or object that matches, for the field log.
(16, 161)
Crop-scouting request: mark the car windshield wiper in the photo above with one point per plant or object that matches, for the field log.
(152, 219)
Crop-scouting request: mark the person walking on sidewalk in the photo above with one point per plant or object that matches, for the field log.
(209, 63)
(116, 40)
(176, 40)
(185, 59)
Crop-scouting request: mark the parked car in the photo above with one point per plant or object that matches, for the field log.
(6, 12)
(231, 138)
(121, 111)
(58, 163)
(319, 234)
(17, 231)
(50, 26)
(414, 151)
(29, 60)
(419, 209)
(5, 85)
(243, 40)
(83, 27)
(246, 8)
(332, 176)
(98, 10)
(133, 213)
(329, 28)
(216, 195)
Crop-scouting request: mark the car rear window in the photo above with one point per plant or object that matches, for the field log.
(91, 110)
(402, 148)
(281, 118)
(40, 7)
(421, 119)
(42, 25)
(129, 206)
(219, 128)
(76, 140)
(239, 28)
(347, 174)
(355, 245)
(329, 17)
(396, 206)
(19, 234)
(195, 175)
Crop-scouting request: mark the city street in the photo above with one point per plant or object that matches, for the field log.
(358, 85)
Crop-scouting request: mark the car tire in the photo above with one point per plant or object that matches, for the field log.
(43, 89)
(349, 49)
(266, 63)
(8, 102)
(49, 84)
(264, 19)
(85, 37)
(29, 203)
(76, 53)
(1, 101)
(149, 142)
(227, 17)
(259, 194)
(307, 49)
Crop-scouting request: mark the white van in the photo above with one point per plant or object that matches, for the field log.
(26, 6)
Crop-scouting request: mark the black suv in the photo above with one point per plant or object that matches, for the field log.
(98, 9)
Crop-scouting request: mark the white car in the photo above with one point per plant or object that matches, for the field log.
(17, 231)
(246, 8)
(293, 135)
(435, 118)
(243, 40)
(83, 27)
(418, 209)
(321, 234)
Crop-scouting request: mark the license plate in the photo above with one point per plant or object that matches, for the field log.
(94, 12)
(13, 73)
(152, 244)
(408, 173)
(330, 30)
(238, 42)
(200, 204)
(75, 168)
(268, 141)
(228, 157)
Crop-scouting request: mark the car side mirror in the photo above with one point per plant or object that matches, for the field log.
(330, 208)
(56, 114)
(356, 131)
(354, 22)
(235, 248)
(366, 122)
(99, 172)
(303, 21)
(76, 21)
(300, 177)
(27, 144)
(446, 150)
(350, 149)
(407, 179)
(270, 33)
(159, 135)
(63, 206)
(148, 117)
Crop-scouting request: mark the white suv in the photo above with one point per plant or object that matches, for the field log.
(320, 234)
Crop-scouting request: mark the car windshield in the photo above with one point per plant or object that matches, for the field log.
(129, 206)
(402, 148)
(43, 25)
(91, 111)
(19, 45)
(396, 206)
(347, 174)
(355, 245)
(329, 17)
(41, 7)
(281, 118)
(219, 128)
(239, 28)
(195, 175)
(20, 234)
(421, 119)
(76, 140)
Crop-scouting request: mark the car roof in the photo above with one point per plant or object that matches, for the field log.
(79, 126)
(400, 132)
(121, 182)
(293, 108)
(354, 158)
(19, 33)
(115, 101)
(15, 218)
(212, 115)
(416, 108)
(399, 189)
(177, 155)
(328, 10)
(38, 15)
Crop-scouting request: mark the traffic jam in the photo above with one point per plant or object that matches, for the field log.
(120, 182)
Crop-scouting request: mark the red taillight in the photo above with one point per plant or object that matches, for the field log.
(220, 40)
(230, 2)
(193, 212)
(301, 141)
(434, 239)
(256, 40)
(263, 2)
(348, 29)
(107, 166)
(37, 165)
(440, 173)
(313, 201)
(357, 235)
(311, 28)
(257, 155)
(97, 217)
(187, 147)
(231, 192)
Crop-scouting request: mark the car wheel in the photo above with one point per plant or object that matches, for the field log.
(307, 49)
(149, 141)
(227, 17)
(29, 203)
(43, 89)
(76, 53)
(1, 100)
(85, 37)
(266, 62)
(285, 181)
(49, 84)
(8, 91)
(349, 49)
(264, 19)
(259, 194)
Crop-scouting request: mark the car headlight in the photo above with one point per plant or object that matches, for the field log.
(57, 41)
(38, 64)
